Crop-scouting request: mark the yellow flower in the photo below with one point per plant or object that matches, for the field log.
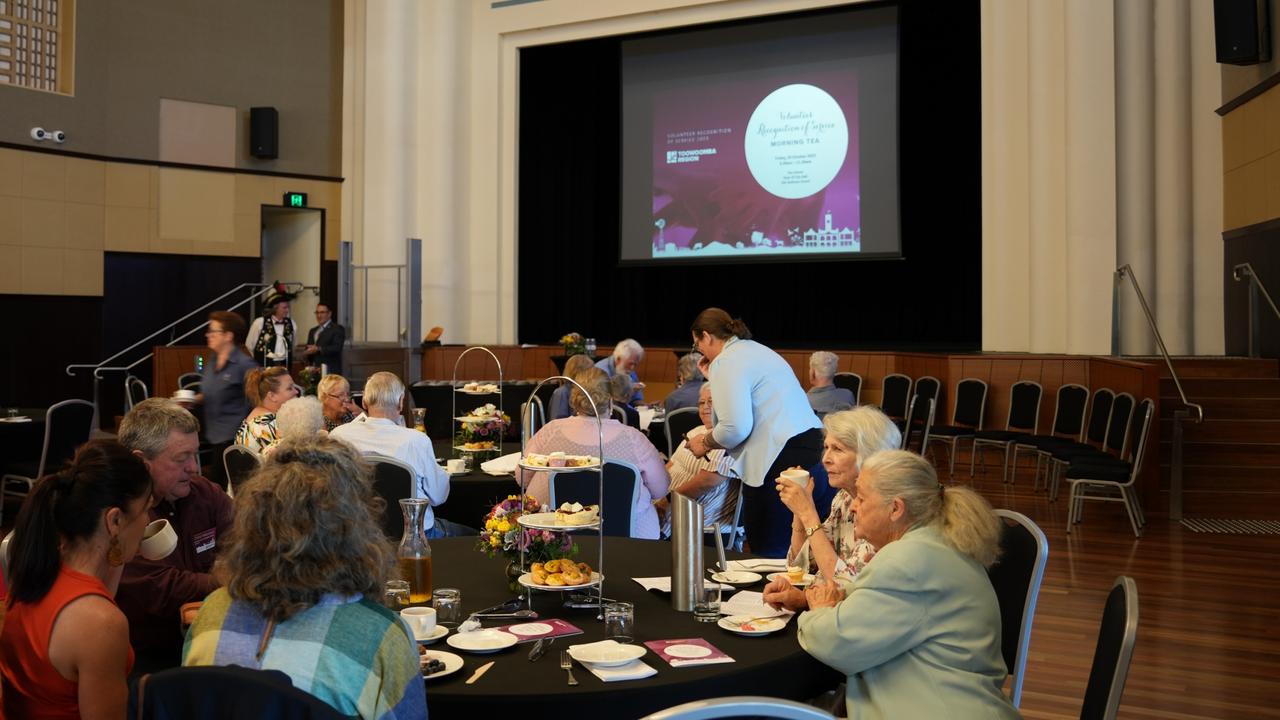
(494, 541)
(490, 524)
(504, 526)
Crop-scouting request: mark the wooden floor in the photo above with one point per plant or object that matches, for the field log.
(1209, 612)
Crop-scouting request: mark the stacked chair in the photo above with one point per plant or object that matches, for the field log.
(1068, 424)
(1109, 479)
(895, 396)
(851, 382)
(966, 416)
(1114, 441)
(1023, 420)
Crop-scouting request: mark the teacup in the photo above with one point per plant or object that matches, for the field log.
(797, 476)
(421, 620)
(456, 465)
(158, 541)
(184, 395)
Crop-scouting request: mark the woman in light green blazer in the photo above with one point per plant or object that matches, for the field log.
(918, 634)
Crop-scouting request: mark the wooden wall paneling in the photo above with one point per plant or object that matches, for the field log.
(168, 363)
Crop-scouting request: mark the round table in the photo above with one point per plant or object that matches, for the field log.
(21, 442)
(514, 687)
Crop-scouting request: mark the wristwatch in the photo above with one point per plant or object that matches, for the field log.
(808, 532)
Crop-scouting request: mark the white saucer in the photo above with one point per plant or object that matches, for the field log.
(530, 629)
(733, 624)
(808, 578)
(737, 577)
(435, 635)
(687, 651)
(482, 641)
(452, 663)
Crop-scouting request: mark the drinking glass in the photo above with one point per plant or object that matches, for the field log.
(396, 595)
(706, 606)
(620, 622)
(420, 419)
(13, 413)
(448, 605)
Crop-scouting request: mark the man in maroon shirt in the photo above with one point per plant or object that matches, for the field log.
(151, 592)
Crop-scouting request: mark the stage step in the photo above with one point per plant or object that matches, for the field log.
(1251, 430)
(1199, 388)
(1218, 367)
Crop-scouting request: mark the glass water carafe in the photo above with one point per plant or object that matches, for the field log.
(415, 553)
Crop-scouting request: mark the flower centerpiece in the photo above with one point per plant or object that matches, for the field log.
(483, 429)
(573, 344)
(503, 535)
(310, 377)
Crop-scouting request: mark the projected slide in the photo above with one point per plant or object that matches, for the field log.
(758, 166)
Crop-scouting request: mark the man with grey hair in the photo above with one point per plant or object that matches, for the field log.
(626, 355)
(151, 592)
(824, 396)
(689, 380)
(377, 431)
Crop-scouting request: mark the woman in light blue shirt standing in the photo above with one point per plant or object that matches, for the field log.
(763, 420)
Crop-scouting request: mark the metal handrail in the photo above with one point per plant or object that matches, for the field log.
(1126, 270)
(1238, 273)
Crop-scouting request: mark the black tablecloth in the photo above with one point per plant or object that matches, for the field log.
(438, 399)
(21, 442)
(514, 687)
(471, 496)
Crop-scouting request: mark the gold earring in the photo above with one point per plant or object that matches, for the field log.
(115, 555)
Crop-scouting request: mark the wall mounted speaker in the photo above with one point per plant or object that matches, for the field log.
(1242, 31)
(264, 132)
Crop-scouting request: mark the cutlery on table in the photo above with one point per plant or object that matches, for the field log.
(754, 619)
(480, 671)
(566, 664)
(540, 648)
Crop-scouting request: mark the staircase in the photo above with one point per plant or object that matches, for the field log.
(1231, 462)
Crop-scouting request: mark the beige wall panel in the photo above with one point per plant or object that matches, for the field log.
(153, 183)
(10, 172)
(1271, 186)
(197, 206)
(254, 191)
(44, 176)
(128, 229)
(1270, 106)
(86, 181)
(10, 269)
(44, 223)
(42, 270)
(332, 237)
(86, 226)
(83, 273)
(1252, 193)
(128, 185)
(10, 221)
(197, 133)
(247, 236)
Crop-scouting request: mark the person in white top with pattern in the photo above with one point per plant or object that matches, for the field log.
(711, 480)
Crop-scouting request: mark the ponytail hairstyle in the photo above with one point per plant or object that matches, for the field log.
(261, 381)
(963, 516)
(720, 325)
(67, 507)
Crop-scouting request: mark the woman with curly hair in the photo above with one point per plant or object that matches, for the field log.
(304, 567)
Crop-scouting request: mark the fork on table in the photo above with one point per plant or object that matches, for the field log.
(566, 664)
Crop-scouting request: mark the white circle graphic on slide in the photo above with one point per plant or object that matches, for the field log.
(796, 141)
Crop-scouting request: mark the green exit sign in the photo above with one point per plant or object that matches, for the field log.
(293, 199)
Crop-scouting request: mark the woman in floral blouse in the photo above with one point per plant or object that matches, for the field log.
(267, 389)
(835, 551)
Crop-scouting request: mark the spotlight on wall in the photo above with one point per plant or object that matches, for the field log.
(59, 136)
(39, 134)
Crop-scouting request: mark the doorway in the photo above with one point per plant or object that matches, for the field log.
(292, 251)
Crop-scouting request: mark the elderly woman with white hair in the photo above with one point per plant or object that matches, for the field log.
(626, 355)
(918, 632)
(835, 550)
(824, 396)
(301, 417)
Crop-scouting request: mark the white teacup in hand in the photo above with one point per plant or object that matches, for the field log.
(158, 541)
(797, 476)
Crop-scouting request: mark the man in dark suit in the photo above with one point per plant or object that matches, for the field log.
(325, 341)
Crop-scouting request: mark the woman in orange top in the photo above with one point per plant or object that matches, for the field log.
(64, 649)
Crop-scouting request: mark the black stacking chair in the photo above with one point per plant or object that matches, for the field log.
(1111, 656)
(895, 394)
(919, 420)
(1114, 441)
(135, 391)
(185, 380)
(851, 382)
(1023, 419)
(533, 416)
(1107, 479)
(1016, 577)
(678, 424)
(392, 481)
(239, 462)
(66, 427)
(1095, 434)
(621, 490)
(966, 416)
(930, 387)
(1068, 424)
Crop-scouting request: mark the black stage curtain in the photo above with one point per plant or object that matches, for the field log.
(568, 273)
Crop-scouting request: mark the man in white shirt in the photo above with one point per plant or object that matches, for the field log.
(378, 432)
(270, 340)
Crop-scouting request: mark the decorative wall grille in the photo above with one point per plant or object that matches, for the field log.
(36, 43)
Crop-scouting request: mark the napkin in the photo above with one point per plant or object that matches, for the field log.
(759, 565)
(505, 465)
(751, 604)
(634, 670)
(663, 584)
(646, 416)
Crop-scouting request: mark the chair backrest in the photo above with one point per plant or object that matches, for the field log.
(392, 481)
(1016, 578)
(229, 691)
(849, 381)
(1113, 652)
(66, 427)
(678, 424)
(187, 378)
(1068, 411)
(919, 421)
(544, 394)
(239, 462)
(1099, 415)
(135, 391)
(929, 386)
(741, 706)
(619, 414)
(1118, 423)
(621, 492)
(971, 403)
(1024, 406)
(895, 392)
(533, 415)
(1139, 429)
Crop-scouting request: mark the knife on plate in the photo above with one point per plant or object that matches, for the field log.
(480, 671)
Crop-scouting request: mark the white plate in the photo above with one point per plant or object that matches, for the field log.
(452, 663)
(527, 581)
(733, 624)
(737, 577)
(605, 656)
(544, 468)
(808, 578)
(527, 629)
(687, 651)
(471, 418)
(547, 521)
(19, 419)
(435, 635)
(460, 448)
(482, 641)
(494, 391)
